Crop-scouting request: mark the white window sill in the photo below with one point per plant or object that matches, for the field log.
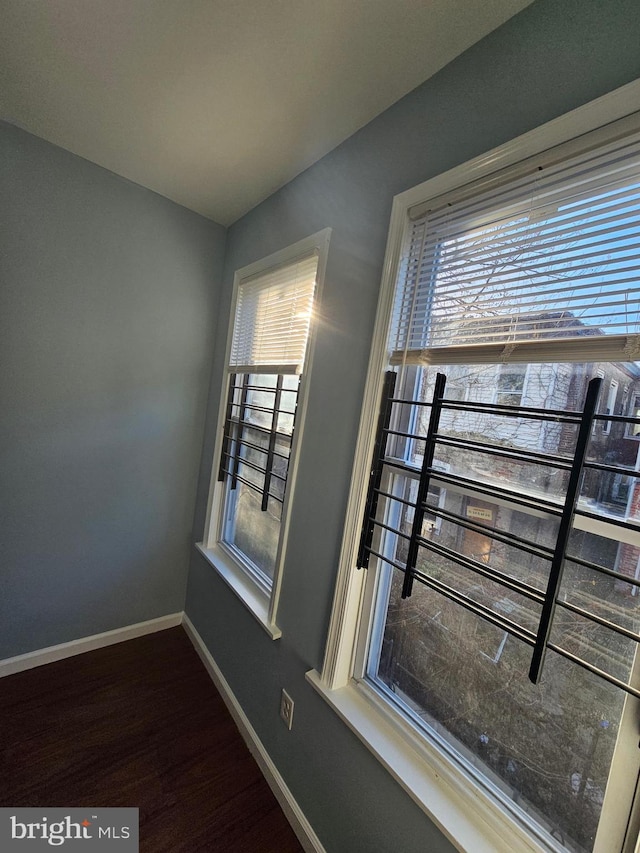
(255, 599)
(466, 815)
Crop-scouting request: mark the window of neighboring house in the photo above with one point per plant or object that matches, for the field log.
(261, 421)
(620, 492)
(504, 640)
(633, 428)
(610, 406)
(510, 384)
(436, 496)
(255, 466)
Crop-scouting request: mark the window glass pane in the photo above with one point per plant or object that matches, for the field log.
(546, 747)
(252, 532)
(260, 433)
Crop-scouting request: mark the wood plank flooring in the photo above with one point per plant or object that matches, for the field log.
(138, 724)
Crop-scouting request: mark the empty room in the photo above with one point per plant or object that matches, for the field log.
(320, 425)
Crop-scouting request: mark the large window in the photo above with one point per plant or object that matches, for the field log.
(462, 639)
(496, 616)
(261, 420)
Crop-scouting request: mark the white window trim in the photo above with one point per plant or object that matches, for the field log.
(261, 601)
(466, 814)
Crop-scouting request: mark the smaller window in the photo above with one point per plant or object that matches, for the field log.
(270, 332)
(260, 421)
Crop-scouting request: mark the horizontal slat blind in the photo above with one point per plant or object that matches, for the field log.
(273, 312)
(550, 254)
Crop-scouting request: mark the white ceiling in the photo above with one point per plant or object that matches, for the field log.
(217, 103)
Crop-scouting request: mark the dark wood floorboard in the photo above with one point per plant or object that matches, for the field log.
(138, 724)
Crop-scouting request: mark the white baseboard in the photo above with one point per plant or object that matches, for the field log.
(9, 666)
(294, 814)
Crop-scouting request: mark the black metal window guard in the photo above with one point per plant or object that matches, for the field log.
(256, 447)
(376, 527)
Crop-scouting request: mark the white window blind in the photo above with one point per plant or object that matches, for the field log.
(273, 313)
(553, 251)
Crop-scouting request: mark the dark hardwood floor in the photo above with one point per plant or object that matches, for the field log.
(138, 724)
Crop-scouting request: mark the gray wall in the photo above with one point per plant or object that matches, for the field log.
(108, 298)
(554, 56)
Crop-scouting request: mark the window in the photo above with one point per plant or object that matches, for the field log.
(502, 641)
(633, 429)
(261, 421)
(510, 384)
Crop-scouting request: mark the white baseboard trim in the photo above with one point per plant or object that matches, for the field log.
(9, 666)
(294, 814)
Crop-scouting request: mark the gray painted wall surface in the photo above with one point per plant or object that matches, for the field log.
(554, 56)
(108, 298)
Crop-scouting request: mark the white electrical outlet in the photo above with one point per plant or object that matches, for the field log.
(286, 709)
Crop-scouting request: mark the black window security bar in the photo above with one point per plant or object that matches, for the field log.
(256, 445)
(381, 526)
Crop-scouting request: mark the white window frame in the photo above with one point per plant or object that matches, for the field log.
(463, 810)
(261, 599)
